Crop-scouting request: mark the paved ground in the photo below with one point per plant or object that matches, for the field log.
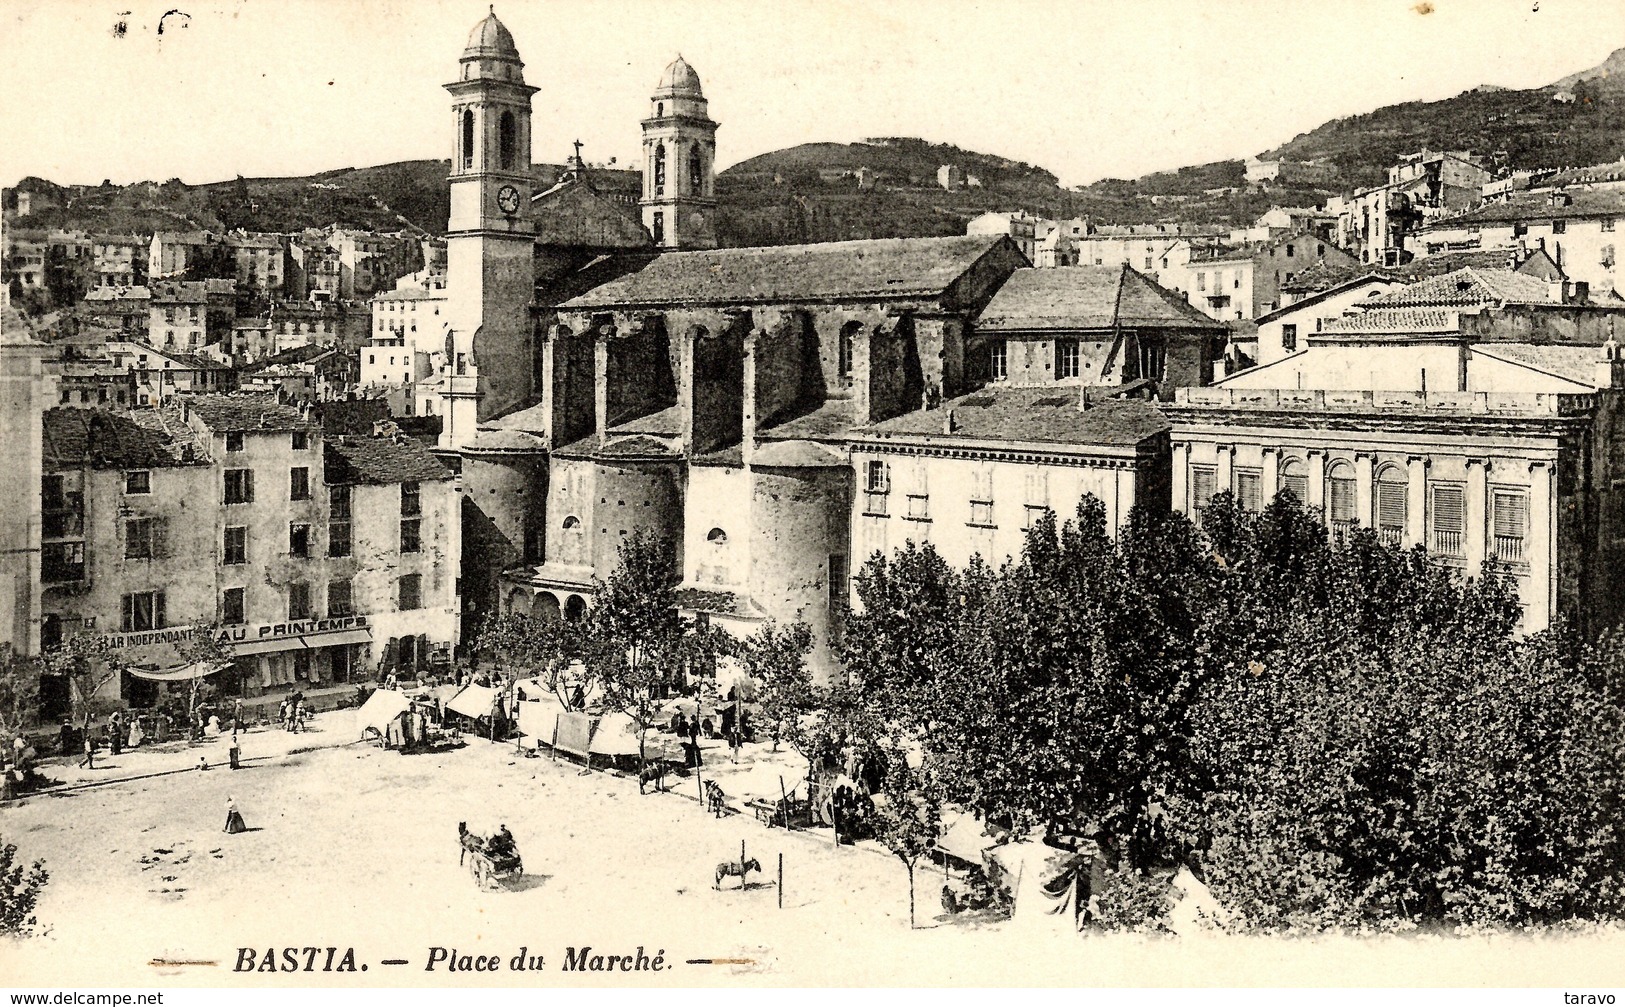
(356, 847)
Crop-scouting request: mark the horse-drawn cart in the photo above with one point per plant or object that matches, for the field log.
(493, 858)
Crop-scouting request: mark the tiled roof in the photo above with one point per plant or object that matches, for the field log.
(1325, 275)
(1087, 297)
(832, 420)
(1375, 320)
(119, 294)
(352, 458)
(104, 440)
(1039, 414)
(636, 446)
(798, 455)
(180, 292)
(1575, 363)
(703, 600)
(1537, 206)
(886, 267)
(236, 411)
(292, 355)
(1469, 286)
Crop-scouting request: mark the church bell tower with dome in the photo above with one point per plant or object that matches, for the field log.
(679, 163)
(490, 237)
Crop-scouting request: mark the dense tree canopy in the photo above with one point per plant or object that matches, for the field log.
(1333, 731)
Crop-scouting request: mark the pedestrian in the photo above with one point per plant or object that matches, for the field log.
(298, 714)
(237, 716)
(236, 751)
(234, 818)
(282, 714)
(203, 762)
(65, 737)
(89, 761)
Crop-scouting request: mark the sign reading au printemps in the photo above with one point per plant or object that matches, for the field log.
(229, 635)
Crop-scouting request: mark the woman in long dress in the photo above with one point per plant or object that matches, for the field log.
(234, 818)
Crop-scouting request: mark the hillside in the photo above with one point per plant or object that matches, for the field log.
(810, 193)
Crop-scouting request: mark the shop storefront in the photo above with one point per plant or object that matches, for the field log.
(305, 653)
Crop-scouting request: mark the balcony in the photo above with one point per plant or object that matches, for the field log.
(1447, 543)
(875, 503)
(1509, 548)
(1391, 536)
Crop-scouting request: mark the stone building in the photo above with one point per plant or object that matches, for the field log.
(311, 559)
(599, 382)
(1577, 228)
(1475, 414)
(1091, 325)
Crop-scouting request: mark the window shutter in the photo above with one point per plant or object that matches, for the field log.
(1449, 508)
(1511, 515)
(1342, 499)
(129, 613)
(160, 538)
(1391, 505)
(248, 485)
(158, 610)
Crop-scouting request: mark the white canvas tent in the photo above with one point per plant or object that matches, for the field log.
(380, 708)
(473, 701)
(964, 836)
(1043, 883)
(538, 718)
(616, 734)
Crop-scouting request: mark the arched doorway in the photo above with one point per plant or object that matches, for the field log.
(575, 607)
(518, 602)
(546, 606)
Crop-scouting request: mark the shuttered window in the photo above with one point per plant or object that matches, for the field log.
(1340, 498)
(1391, 511)
(1449, 519)
(1249, 489)
(1511, 513)
(1204, 481)
(1294, 479)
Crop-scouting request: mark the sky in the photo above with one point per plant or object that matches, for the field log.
(1086, 89)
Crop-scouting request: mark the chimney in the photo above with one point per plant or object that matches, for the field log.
(1557, 291)
(1084, 401)
(1611, 368)
(950, 422)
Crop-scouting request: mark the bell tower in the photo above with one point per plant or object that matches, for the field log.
(490, 239)
(679, 163)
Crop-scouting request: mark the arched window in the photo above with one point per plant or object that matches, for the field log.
(507, 140)
(660, 169)
(717, 537)
(696, 171)
(1296, 479)
(572, 523)
(1392, 489)
(468, 138)
(1340, 496)
(843, 349)
(660, 110)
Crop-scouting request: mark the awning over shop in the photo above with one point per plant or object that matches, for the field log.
(267, 646)
(184, 673)
(290, 642)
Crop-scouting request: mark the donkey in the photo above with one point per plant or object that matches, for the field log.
(735, 869)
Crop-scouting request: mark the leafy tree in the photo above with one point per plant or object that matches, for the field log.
(19, 692)
(88, 662)
(64, 281)
(636, 642)
(203, 650)
(20, 887)
(532, 647)
(777, 658)
(908, 821)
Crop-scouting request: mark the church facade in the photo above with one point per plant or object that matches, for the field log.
(613, 370)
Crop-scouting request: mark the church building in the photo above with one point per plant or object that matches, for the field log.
(612, 369)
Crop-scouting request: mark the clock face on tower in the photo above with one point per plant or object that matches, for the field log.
(508, 199)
